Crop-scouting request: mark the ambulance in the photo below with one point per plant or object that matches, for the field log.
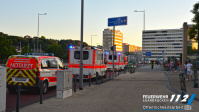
(93, 62)
(120, 61)
(28, 70)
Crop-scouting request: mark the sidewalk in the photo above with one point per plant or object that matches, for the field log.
(174, 81)
(123, 94)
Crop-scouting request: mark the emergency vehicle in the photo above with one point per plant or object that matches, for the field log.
(28, 70)
(120, 61)
(93, 62)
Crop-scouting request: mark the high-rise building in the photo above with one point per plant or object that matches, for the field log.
(108, 40)
(162, 43)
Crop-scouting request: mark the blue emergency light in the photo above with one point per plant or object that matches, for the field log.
(70, 47)
(42, 54)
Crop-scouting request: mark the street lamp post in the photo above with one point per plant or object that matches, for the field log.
(91, 39)
(38, 31)
(81, 48)
(144, 18)
(143, 24)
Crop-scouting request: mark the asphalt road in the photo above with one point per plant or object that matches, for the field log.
(28, 97)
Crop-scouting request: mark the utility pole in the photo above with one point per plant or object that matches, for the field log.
(34, 47)
(28, 48)
(81, 48)
(113, 57)
(20, 47)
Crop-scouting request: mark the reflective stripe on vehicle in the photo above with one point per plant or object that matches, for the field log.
(29, 75)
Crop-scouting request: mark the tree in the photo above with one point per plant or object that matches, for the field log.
(43, 37)
(6, 48)
(193, 32)
(191, 51)
(57, 50)
(26, 50)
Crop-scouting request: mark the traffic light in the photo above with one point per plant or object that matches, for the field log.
(113, 47)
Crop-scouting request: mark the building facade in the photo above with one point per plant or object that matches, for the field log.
(130, 48)
(108, 40)
(162, 43)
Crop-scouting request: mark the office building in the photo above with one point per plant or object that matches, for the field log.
(162, 43)
(108, 40)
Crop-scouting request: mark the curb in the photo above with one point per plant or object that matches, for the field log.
(167, 84)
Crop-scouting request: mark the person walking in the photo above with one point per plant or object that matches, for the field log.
(185, 70)
(178, 66)
(189, 72)
(152, 63)
(169, 66)
(175, 65)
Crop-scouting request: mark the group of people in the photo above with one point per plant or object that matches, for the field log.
(176, 65)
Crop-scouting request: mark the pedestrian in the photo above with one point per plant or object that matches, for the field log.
(178, 66)
(152, 63)
(185, 70)
(189, 72)
(169, 66)
(175, 64)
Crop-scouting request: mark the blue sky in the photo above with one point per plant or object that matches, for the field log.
(20, 17)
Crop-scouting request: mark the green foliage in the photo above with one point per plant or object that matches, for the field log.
(57, 50)
(26, 50)
(43, 37)
(193, 32)
(8, 44)
(6, 47)
(191, 51)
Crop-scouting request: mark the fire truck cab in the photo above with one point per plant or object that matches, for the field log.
(28, 70)
(120, 61)
(93, 62)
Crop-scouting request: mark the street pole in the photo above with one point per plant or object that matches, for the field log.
(81, 50)
(144, 19)
(20, 47)
(34, 46)
(143, 26)
(28, 48)
(38, 33)
(113, 49)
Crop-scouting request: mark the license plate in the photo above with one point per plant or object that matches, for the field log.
(20, 79)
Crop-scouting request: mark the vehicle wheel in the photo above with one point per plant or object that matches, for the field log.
(12, 89)
(97, 75)
(45, 87)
